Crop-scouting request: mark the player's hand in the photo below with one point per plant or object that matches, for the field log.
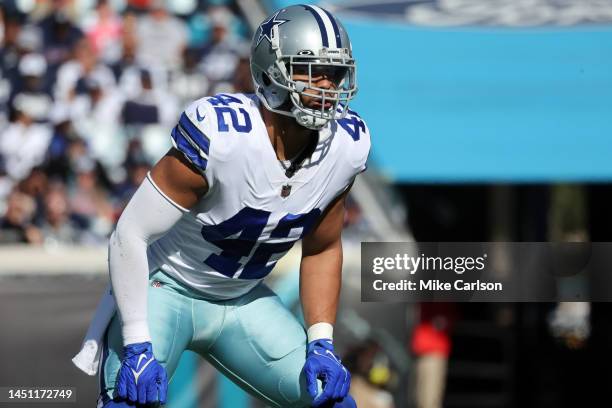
(323, 364)
(141, 378)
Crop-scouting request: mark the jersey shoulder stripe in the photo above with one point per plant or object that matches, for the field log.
(185, 145)
(194, 132)
(192, 142)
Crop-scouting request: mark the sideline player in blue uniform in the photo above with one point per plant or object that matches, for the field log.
(248, 176)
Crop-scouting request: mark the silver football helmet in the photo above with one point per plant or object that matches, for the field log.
(308, 41)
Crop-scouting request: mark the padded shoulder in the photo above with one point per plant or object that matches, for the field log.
(355, 136)
(192, 134)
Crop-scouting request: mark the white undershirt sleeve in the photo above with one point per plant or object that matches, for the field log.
(147, 217)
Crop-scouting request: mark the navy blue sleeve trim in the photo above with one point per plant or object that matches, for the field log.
(189, 148)
(196, 135)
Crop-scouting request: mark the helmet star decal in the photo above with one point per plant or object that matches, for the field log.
(268, 26)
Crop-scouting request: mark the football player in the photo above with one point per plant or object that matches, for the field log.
(248, 176)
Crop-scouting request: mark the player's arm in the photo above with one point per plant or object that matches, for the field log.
(320, 281)
(321, 266)
(172, 187)
(179, 179)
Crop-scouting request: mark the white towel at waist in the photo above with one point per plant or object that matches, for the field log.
(88, 358)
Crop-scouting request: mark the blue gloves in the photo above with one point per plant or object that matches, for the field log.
(141, 378)
(323, 364)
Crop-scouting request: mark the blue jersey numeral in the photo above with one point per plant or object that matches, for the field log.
(245, 227)
(238, 235)
(221, 105)
(240, 128)
(223, 100)
(353, 125)
(257, 266)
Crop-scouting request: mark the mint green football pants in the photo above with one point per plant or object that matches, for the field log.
(254, 340)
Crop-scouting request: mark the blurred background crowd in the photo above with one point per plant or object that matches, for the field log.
(88, 93)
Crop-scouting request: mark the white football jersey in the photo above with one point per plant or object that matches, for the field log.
(253, 213)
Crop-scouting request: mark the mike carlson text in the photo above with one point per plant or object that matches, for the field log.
(435, 285)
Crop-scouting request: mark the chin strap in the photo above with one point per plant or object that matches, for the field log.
(308, 121)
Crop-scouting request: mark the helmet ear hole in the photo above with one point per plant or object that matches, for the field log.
(265, 79)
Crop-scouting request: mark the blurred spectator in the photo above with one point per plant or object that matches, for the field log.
(30, 39)
(95, 112)
(57, 226)
(199, 28)
(189, 83)
(201, 24)
(31, 84)
(431, 345)
(32, 69)
(103, 29)
(24, 143)
(35, 185)
(371, 375)
(151, 105)
(83, 66)
(222, 54)
(21, 40)
(58, 165)
(137, 167)
(161, 38)
(126, 70)
(143, 109)
(15, 225)
(89, 200)
(59, 33)
(130, 27)
(80, 158)
(9, 52)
